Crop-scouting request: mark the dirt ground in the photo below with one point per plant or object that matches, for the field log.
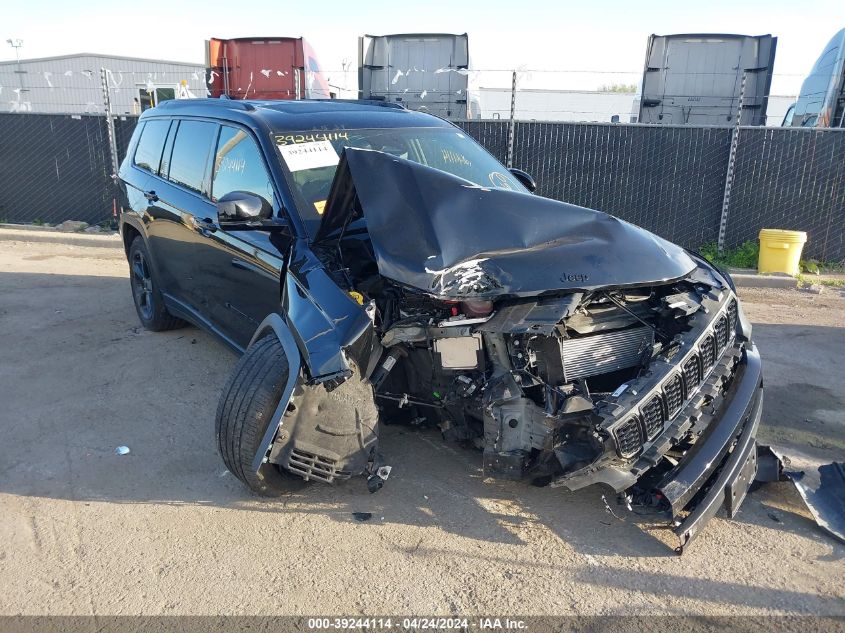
(166, 530)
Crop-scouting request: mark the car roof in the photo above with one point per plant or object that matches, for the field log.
(300, 115)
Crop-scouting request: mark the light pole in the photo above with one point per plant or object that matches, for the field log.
(16, 44)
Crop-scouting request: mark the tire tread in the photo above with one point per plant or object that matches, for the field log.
(246, 406)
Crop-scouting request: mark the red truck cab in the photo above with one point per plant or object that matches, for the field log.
(265, 68)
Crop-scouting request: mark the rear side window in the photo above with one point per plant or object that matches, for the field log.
(239, 166)
(194, 140)
(150, 145)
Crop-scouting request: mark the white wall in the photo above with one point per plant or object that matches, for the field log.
(72, 84)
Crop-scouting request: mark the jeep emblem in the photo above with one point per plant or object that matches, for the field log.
(574, 277)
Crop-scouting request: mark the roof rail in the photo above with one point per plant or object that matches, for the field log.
(222, 102)
(373, 102)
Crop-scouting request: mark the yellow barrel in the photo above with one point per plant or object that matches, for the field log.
(780, 251)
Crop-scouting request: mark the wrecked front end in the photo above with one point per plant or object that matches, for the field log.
(569, 347)
(652, 391)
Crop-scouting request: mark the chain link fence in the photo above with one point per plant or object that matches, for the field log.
(668, 179)
(671, 179)
(55, 168)
(790, 178)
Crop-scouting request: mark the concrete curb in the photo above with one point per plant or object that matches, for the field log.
(20, 233)
(745, 280)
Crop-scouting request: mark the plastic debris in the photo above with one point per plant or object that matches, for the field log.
(121, 450)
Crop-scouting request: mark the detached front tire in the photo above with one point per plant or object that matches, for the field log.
(245, 410)
(149, 302)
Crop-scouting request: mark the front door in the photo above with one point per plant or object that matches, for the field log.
(242, 269)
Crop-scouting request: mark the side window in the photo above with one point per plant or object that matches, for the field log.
(239, 166)
(194, 140)
(150, 145)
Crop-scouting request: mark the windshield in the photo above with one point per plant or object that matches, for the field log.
(310, 160)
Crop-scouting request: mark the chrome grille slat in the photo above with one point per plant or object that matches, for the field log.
(720, 332)
(708, 352)
(628, 437)
(692, 374)
(733, 313)
(673, 392)
(653, 419)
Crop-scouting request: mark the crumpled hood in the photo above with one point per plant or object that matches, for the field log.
(453, 239)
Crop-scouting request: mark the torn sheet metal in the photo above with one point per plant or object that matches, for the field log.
(823, 490)
(454, 239)
(821, 486)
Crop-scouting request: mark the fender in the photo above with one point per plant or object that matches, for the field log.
(276, 324)
(132, 219)
(329, 327)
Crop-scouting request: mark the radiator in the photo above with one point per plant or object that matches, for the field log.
(604, 353)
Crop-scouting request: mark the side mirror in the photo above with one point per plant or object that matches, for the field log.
(525, 178)
(240, 207)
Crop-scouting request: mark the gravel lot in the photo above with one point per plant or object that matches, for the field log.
(166, 530)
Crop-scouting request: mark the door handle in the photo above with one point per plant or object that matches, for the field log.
(242, 265)
(151, 196)
(205, 227)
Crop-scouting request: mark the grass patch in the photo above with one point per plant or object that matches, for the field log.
(743, 256)
(832, 283)
(816, 267)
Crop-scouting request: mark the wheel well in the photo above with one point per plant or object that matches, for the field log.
(129, 235)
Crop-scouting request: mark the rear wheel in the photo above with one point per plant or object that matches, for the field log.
(245, 410)
(149, 303)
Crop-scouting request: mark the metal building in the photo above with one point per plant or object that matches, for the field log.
(73, 84)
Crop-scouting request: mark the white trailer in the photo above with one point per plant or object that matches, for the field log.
(422, 71)
(697, 79)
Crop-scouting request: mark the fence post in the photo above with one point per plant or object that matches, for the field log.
(109, 121)
(511, 123)
(729, 177)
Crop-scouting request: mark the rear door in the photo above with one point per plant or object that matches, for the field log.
(142, 161)
(183, 215)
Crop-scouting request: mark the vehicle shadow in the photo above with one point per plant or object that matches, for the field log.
(81, 378)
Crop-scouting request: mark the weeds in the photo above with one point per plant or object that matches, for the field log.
(743, 256)
(811, 281)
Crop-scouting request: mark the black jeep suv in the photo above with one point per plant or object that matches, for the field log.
(370, 263)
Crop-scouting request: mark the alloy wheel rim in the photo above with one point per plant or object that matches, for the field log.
(142, 285)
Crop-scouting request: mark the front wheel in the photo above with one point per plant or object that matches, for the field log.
(245, 410)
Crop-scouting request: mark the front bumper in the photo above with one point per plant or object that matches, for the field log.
(720, 467)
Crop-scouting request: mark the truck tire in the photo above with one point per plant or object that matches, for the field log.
(149, 303)
(246, 408)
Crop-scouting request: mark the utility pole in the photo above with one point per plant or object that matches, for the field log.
(511, 123)
(729, 177)
(17, 44)
(112, 138)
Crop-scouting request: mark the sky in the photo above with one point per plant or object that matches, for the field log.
(560, 45)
